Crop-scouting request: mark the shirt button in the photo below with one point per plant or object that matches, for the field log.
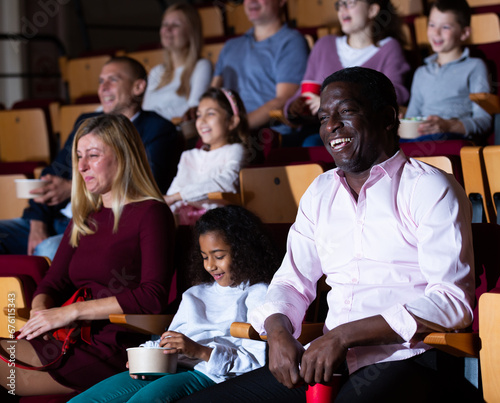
(359, 255)
(346, 302)
(354, 280)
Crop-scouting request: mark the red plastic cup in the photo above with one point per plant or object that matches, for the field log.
(310, 86)
(321, 393)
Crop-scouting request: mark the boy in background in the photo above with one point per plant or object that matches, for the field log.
(440, 89)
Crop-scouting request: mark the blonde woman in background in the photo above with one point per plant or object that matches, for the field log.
(177, 84)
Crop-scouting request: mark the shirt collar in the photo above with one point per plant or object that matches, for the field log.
(432, 59)
(390, 166)
(135, 116)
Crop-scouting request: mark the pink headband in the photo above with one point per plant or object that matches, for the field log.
(232, 101)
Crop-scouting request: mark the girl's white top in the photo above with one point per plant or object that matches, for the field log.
(200, 172)
(350, 57)
(205, 315)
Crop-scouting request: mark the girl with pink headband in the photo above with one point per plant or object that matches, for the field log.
(222, 124)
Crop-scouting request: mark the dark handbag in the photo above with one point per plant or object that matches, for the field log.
(68, 335)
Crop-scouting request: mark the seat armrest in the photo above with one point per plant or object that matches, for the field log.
(230, 198)
(310, 331)
(20, 313)
(176, 120)
(147, 324)
(457, 344)
(244, 330)
(489, 102)
(278, 115)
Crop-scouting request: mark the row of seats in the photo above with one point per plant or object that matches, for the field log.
(81, 75)
(481, 171)
(30, 137)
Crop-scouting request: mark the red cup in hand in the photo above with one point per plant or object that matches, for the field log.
(323, 393)
(310, 86)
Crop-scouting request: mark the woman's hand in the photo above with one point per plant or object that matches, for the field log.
(45, 320)
(182, 344)
(312, 101)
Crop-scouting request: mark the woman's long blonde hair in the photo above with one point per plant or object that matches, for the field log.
(193, 52)
(133, 181)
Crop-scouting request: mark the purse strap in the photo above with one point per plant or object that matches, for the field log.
(82, 294)
(66, 343)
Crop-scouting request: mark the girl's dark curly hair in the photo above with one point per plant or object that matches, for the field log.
(254, 258)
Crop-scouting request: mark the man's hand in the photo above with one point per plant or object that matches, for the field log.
(55, 191)
(285, 352)
(38, 233)
(322, 358)
(328, 352)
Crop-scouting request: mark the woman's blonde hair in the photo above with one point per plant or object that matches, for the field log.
(133, 181)
(192, 54)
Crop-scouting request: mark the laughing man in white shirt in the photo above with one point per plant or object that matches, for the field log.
(393, 237)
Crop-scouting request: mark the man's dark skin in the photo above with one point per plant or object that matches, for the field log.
(365, 138)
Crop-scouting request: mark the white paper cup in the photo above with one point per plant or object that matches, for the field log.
(408, 129)
(24, 186)
(151, 361)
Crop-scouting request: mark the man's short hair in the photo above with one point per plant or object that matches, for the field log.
(377, 88)
(460, 8)
(136, 69)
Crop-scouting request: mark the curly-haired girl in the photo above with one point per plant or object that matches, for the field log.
(239, 261)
